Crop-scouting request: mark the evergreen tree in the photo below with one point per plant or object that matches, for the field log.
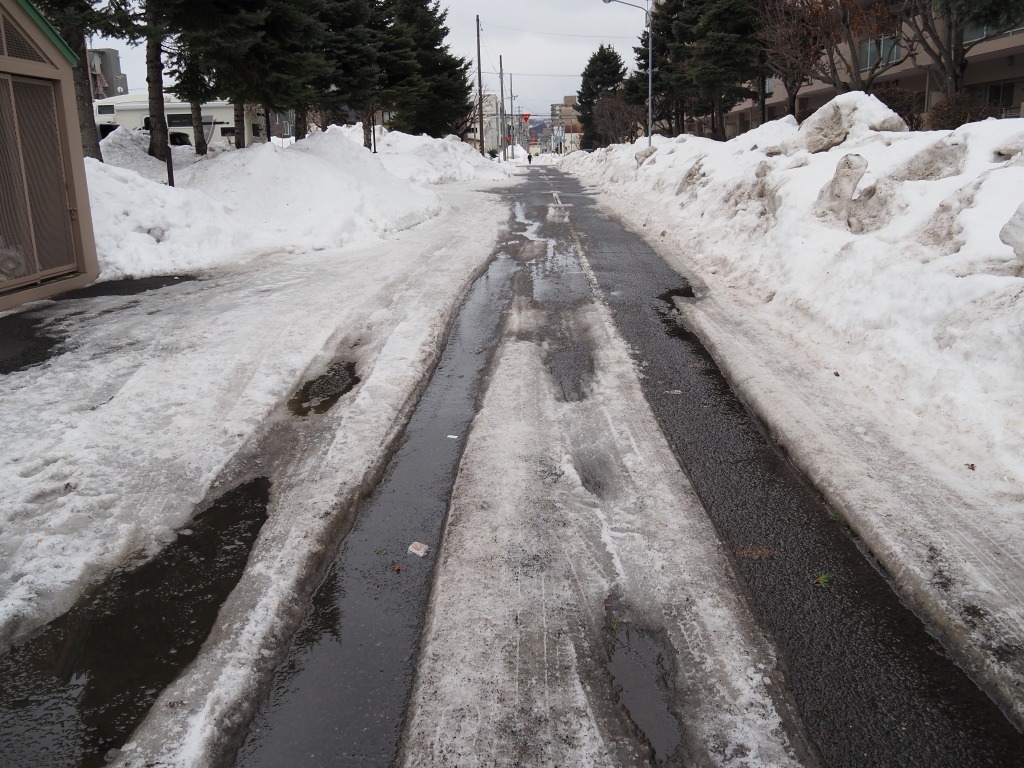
(290, 57)
(440, 97)
(213, 38)
(604, 74)
(398, 73)
(349, 50)
(724, 56)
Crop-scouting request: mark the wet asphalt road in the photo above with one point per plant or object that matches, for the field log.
(872, 685)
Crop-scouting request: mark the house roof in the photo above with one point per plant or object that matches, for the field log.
(47, 28)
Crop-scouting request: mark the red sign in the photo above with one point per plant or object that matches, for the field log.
(526, 118)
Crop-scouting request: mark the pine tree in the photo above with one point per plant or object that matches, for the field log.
(213, 38)
(398, 73)
(348, 49)
(604, 74)
(724, 55)
(440, 97)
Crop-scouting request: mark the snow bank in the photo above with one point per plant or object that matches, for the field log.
(895, 255)
(322, 192)
(424, 160)
(866, 298)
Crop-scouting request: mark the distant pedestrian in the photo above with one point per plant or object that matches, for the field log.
(529, 159)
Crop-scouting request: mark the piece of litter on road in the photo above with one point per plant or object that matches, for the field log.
(453, 437)
(673, 391)
(418, 549)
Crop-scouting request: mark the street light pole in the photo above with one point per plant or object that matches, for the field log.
(650, 65)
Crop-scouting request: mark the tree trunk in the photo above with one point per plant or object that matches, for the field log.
(155, 80)
(301, 123)
(266, 121)
(83, 95)
(366, 117)
(198, 128)
(239, 125)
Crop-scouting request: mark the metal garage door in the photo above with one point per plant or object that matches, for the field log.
(35, 221)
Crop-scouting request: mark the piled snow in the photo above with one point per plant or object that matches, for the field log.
(322, 192)
(894, 254)
(129, 149)
(866, 298)
(424, 160)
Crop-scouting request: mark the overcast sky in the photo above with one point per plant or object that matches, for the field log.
(545, 44)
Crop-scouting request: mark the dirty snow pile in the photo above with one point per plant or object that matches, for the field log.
(894, 259)
(322, 192)
(424, 160)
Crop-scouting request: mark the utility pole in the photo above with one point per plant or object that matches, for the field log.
(512, 111)
(480, 86)
(504, 144)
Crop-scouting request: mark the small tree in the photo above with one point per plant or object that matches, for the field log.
(904, 103)
(957, 110)
(615, 120)
(790, 48)
(938, 28)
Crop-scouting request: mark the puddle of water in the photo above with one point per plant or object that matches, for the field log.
(686, 292)
(321, 393)
(81, 685)
(24, 342)
(643, 673)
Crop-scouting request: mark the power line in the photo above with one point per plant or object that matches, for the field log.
(561, 34)
(535, 74)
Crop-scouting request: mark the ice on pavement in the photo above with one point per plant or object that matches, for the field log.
(862, 284)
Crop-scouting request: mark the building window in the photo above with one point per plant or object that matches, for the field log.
(179, 121)
(878, 50)
(975, 32)
(1001, 94)
(105, 109)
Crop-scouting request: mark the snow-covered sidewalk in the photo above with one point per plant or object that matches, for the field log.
(110, 446)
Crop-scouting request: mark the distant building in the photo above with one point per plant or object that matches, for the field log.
(105, 73)
(565, 127)
(492, 126)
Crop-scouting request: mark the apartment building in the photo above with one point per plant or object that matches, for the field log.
(565, 128)
(492, 126)
(994, 75)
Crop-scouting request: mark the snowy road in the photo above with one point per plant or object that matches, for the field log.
(592, 603)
